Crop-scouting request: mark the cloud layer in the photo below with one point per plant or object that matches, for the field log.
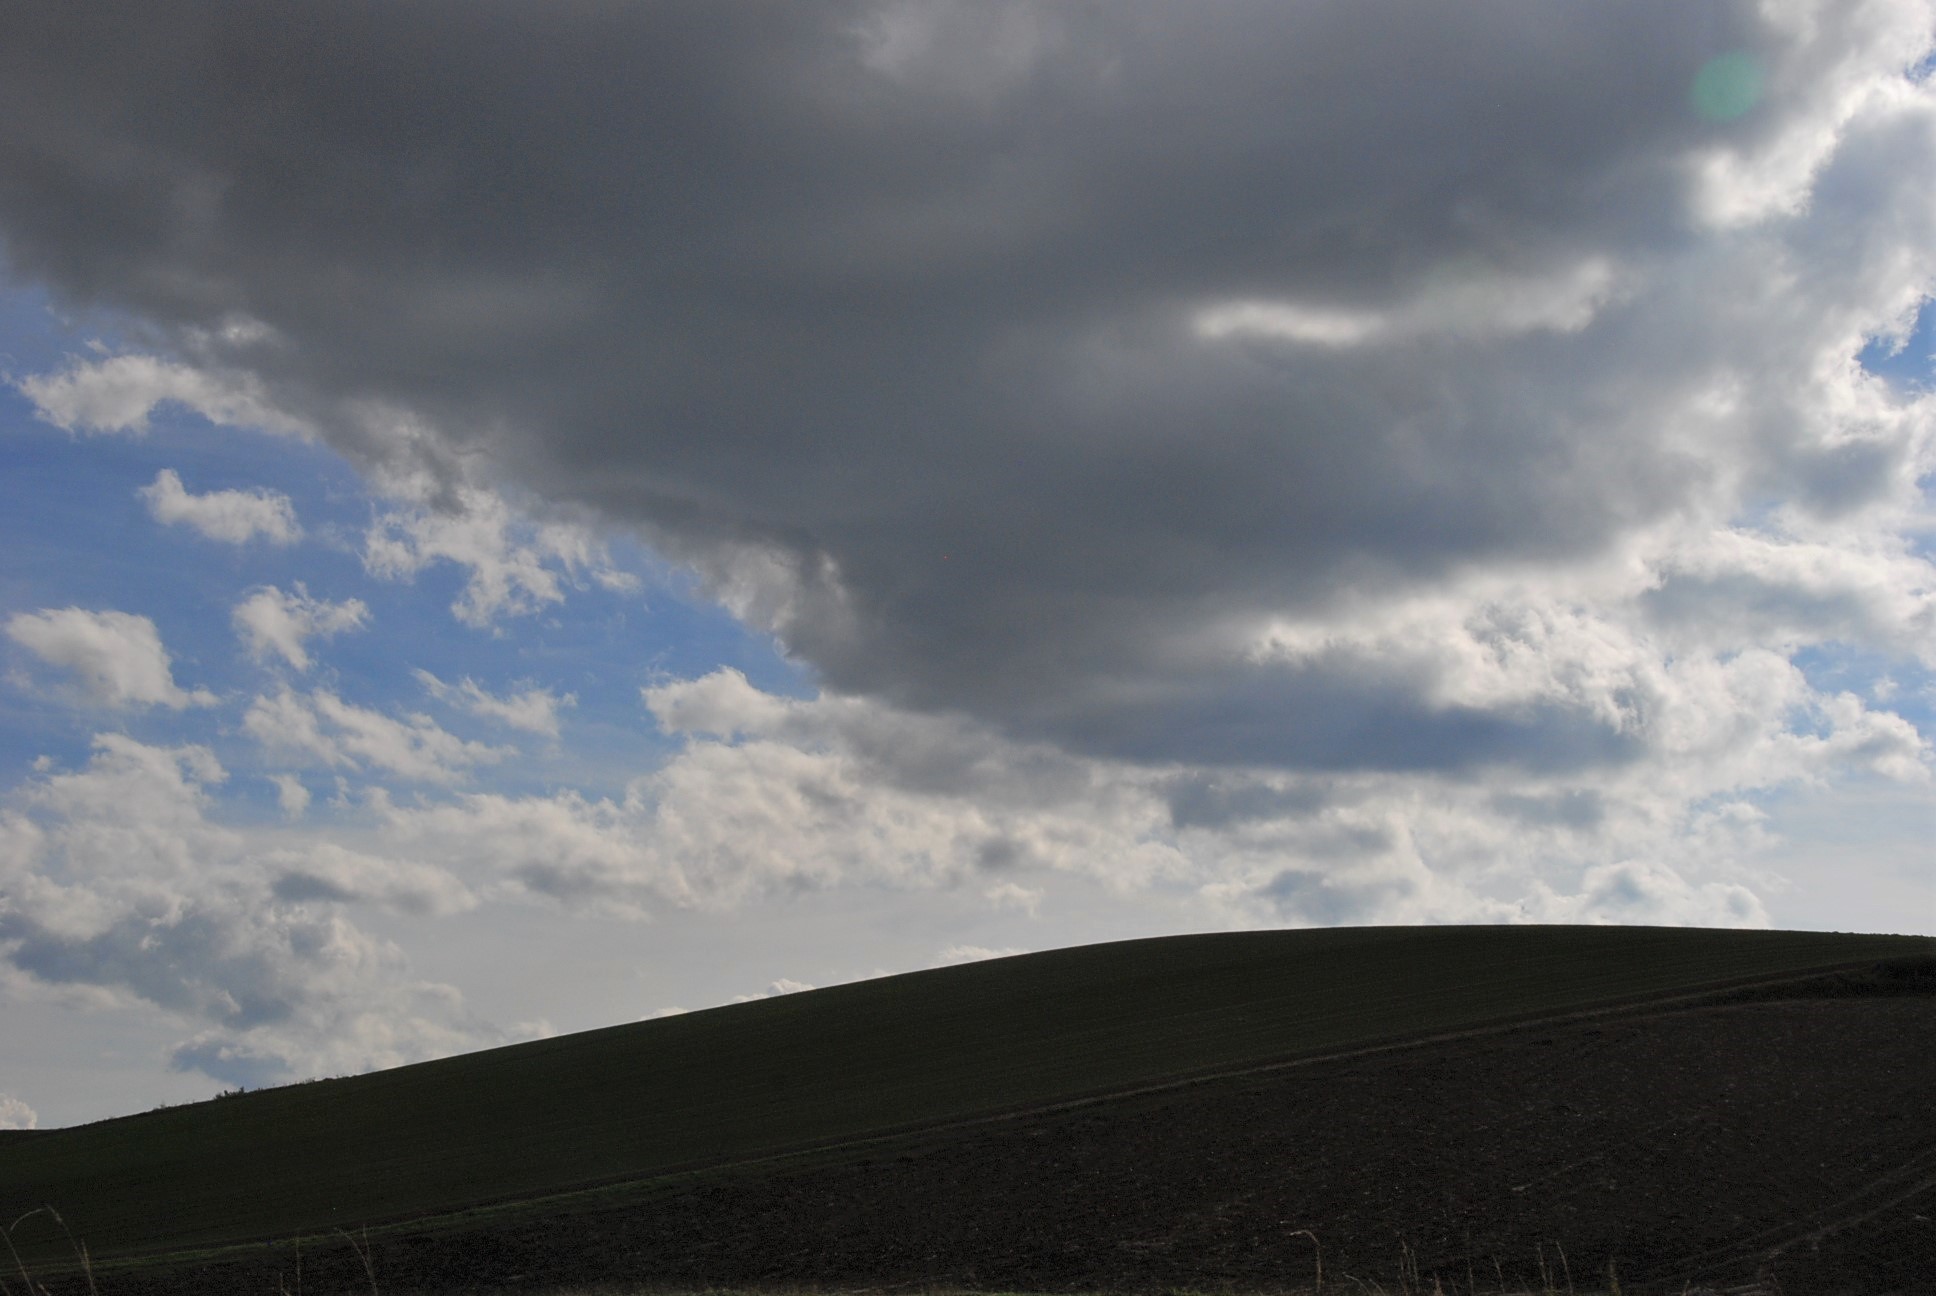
(117, 882)
(1036, 361)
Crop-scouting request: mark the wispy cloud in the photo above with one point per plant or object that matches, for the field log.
(955, 955)
(534, 710)
(322, 726)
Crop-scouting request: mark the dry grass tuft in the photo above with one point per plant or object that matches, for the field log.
(26, 1278)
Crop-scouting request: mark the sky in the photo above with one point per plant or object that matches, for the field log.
(519, 518)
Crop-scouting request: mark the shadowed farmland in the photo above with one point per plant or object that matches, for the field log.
(743, 1107)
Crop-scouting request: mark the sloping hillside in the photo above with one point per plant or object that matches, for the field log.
(637, 1101)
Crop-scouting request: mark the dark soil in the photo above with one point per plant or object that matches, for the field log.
(1784, 1143)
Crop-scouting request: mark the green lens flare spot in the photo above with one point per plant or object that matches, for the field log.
(1726, 87)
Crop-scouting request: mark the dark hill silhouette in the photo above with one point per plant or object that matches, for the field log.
(1145, 1114)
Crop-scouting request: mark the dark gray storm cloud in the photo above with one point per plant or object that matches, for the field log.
(1028, 359)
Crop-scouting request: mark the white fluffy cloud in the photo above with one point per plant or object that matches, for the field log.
(119, 882)
(271, 621)
(16, 1115)
(291, 795)
(119, 393)
(516, 567)
(1737, 586)
(781, 986)
(534, 710)
(117, 656)
(1673, 649)
(234, 516)
(323, 727)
